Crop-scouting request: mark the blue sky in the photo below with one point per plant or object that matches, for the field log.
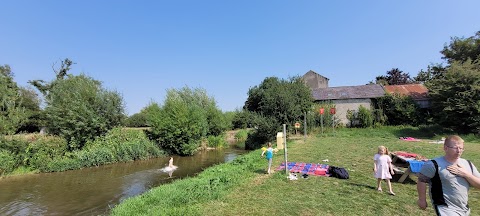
(143, 48)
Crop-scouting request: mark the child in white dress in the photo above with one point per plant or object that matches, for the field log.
(383, 168)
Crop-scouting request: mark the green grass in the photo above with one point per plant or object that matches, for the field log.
(249, 191)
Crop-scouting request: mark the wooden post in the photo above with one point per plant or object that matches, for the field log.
(321, 122)
(305, 127)
(285, 145)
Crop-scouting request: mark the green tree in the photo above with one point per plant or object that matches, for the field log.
(394, 77)
(285, 100)
(456, 97)
(276, 101)
(433, 72)
(137, 120)
(12, 114)
(187, 117)
(43, 86)
(462, 49)
(30, 101)
(399, 109)
(79, 109)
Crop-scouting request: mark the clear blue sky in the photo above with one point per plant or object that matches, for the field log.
(142, 48)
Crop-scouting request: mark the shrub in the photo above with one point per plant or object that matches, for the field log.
(241, 135)
(79, 109)
(137, 120)
(7, 162)
(43, 149)
(185, 119)
(400, 110)
(216, 141)
(362, 118)
(266, 129)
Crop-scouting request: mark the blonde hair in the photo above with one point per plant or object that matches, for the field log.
(453, 139)
(269, 144)
(383, 147)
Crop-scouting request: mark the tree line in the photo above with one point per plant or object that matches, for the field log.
(81, 114)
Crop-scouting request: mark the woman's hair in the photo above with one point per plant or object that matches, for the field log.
(383, 147)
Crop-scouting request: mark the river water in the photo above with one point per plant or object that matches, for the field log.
(94, 191)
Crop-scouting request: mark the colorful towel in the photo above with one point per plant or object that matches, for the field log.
(306, 168)
(410, 139)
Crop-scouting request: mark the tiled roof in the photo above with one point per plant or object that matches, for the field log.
(349, 92)
(416, 91)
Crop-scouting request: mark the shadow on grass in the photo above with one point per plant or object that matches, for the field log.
(261, 171)
(422, 132)
(408, 180)
(362, 185)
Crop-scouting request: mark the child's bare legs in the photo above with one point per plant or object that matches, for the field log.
(389, 186)
(379, 184)
(269, 165)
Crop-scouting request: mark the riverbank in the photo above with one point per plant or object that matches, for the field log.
(242, 187)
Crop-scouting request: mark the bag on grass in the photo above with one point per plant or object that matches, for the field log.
(338, 172)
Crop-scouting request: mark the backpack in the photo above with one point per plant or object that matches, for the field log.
(338, 172)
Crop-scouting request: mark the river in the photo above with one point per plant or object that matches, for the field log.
(94, 191)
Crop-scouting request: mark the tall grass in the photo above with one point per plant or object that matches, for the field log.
(39, 153)
(217, 141)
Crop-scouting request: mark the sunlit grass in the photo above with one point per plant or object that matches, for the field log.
(245, 189)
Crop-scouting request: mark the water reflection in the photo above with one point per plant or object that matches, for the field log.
(92, 191)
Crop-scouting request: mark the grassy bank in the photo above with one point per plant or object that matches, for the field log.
(243, 188)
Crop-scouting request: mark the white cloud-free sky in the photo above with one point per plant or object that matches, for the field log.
(143, 48)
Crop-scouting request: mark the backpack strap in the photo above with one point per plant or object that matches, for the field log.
(471, 167)
(436, 187)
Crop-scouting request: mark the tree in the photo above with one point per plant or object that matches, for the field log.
(30, 101)
(462, 49)
(399, 109)
(187, 117)
(433, 72)
(274, 102)
(394, 77)
(285, 100)
(79, 109)
(137, 120)
(60, 73)
(12, 114)
(456, 97)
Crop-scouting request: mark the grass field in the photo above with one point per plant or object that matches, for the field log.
(249, 191)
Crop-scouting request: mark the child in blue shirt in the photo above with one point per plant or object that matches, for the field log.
(268, 153)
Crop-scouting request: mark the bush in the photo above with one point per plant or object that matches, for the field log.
(362, 118)
(242, 120)
(79, 110)
(7, 162)
(400, 110)
(186, 118)
(43, 149)
(266, 129)
(216, 141)
(118, 145)
(241, 135)
(137, 120)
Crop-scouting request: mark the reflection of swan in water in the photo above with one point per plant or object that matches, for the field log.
(170, 168)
